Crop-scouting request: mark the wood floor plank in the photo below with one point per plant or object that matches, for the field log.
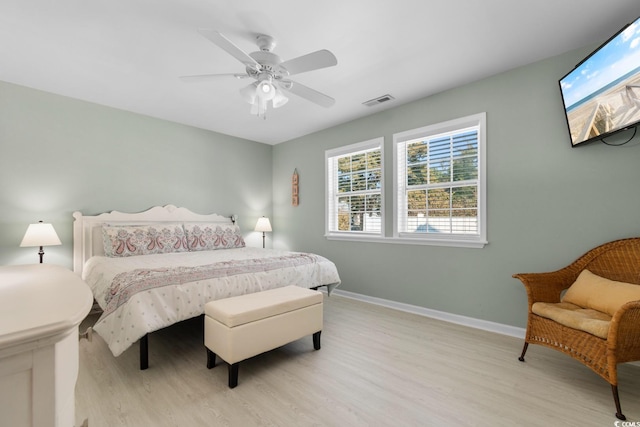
(377, 367)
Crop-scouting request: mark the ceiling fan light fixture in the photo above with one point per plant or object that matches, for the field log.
(279, 99)
(266, 90)
(249, 92)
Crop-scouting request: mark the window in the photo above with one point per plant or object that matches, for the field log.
(439, 183)
(354, 190)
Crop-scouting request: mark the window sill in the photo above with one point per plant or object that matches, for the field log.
(458, 243)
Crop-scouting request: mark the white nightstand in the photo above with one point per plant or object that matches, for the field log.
(41, 306)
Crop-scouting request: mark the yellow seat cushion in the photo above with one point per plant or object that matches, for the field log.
(601, 294)
(576, 317)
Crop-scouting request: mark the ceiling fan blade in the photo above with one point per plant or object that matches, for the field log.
(209, 77)
(227, 45)
(312, 61)
(308, 93)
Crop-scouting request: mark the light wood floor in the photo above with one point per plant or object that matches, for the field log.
(377, 367)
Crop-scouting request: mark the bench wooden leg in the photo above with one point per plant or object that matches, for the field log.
(211, 359)
(233, 368)
(316, 340)
(616, 399)
(233, 374)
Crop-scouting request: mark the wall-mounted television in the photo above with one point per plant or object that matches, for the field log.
(601, 95)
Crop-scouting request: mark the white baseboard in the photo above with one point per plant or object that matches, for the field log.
(471, 322)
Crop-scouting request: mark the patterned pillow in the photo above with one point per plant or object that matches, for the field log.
(122, 241)
(206, 237)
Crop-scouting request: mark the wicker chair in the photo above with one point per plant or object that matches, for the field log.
(618, 260)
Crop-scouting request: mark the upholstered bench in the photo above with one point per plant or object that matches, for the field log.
(241, 327)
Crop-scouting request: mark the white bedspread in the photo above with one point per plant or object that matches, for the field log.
(162, 297)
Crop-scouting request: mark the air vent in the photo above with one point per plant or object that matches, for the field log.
(378, 100)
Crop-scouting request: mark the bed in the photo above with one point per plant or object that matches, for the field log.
(152, 269)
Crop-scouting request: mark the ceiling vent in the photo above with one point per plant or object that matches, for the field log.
(378, 100)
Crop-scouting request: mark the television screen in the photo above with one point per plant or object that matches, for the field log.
(601, 95)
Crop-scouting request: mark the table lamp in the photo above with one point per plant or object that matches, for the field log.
(40, 234)
(263, 225)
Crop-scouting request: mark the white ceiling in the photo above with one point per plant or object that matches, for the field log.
(128, 54)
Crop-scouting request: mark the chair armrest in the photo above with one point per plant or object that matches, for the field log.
(624, 333)
(547, 287)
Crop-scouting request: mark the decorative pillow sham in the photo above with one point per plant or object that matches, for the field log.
(207, 237)
(129, 240)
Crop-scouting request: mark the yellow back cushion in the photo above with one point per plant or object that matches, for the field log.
(598, 293)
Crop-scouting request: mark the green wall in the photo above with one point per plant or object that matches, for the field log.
(59, 155)
(548, 203)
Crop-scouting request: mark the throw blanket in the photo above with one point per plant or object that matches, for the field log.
(131, 282)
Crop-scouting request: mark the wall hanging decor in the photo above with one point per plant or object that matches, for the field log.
(294, 188)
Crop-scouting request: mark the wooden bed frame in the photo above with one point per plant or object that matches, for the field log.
(87, 239)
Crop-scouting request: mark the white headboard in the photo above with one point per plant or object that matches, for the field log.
(87, 230)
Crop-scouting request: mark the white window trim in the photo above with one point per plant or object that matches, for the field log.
(350, 237)
(478, 241)
(348, 149)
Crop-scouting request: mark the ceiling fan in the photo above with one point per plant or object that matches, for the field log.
(270, 73)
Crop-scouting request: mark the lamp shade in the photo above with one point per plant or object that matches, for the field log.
(279, 99)
(266, 90)
(249, 92)
(263, 224)
(40, 234)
